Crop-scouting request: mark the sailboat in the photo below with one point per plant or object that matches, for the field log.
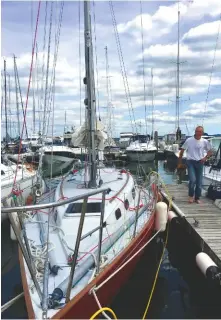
(84, 244)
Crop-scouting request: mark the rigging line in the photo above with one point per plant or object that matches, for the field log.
(57, 41)
(46, 96)
(41, 97)
(142, 48)
(120, 58)
(178, 70)
(153, 106)
(17, 103)
(121, 63)
(211, 73)
(33, 77)
(29, 83)
(19, 87)
(124, 68)
(79, 54)
(95, 50)
(108, 96)
(110, 93)
(37, 76)
(9, 105)
(182, 24)
(124, 74)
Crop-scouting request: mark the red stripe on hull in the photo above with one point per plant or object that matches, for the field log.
(83, 306)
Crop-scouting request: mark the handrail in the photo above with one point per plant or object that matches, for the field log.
(53, 204)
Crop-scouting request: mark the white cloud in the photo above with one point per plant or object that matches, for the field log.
(159, 54)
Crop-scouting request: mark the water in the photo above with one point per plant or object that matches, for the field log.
(180, 292)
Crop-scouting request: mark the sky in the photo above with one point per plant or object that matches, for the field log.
(148, 37)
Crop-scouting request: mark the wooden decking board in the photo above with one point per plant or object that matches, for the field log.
(207, 214)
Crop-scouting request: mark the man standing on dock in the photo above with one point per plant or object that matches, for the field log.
(195, 148)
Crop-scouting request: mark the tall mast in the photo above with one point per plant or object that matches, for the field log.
(18, 87)
(33, 91)
(65, 119)
(9, 105)
(6, 120)
(178, 133)
(108, 94)
(16, 91)
(152, 103)
(90, 100)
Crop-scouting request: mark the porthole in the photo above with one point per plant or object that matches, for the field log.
(118, 214)
(126, 204)
(133, 193)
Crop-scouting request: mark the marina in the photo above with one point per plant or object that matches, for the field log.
(109, 139)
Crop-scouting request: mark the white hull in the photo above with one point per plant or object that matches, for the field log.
(25, 184)
(14, 157)
(142, 156)
(211, 177)
(117, 233)
(49, 158)
(124, 143)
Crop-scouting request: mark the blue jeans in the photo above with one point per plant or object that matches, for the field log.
(195, 172)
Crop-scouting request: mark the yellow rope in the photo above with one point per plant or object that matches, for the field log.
(104, 309)
(156, 276)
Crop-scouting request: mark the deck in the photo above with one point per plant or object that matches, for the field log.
(204, 219)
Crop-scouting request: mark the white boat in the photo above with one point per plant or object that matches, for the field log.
(124, 141)
(88, 237)
(211, 175)
(61, 157)
(26, 178)
(141, 149)
(33, 142)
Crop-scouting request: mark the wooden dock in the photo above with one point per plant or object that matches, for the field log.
(202, 220)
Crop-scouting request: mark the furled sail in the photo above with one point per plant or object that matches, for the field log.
(80, 136)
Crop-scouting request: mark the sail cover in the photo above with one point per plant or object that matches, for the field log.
(80, 136)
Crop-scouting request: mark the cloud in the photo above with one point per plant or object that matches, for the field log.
(160, 53)
(204, 36)
(209, 111)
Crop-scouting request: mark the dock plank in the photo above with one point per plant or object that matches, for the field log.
(204, 218)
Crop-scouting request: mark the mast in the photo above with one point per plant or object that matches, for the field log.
(9, 105)
(16, 91)
(108, 95)
(90, 94)
(33, 91)
(152, 103)
(178, 132)
(17, 84)
(6, 120)
(65, 119)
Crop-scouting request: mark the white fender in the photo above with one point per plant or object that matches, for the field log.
(203, 261)
(12, 234)
(171, 215)
(161, 216)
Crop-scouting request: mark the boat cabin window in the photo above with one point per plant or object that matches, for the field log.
(118, 214)
(76, 207)
(141, 138)
(126, 204)
(133, 193)
(2, 172)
